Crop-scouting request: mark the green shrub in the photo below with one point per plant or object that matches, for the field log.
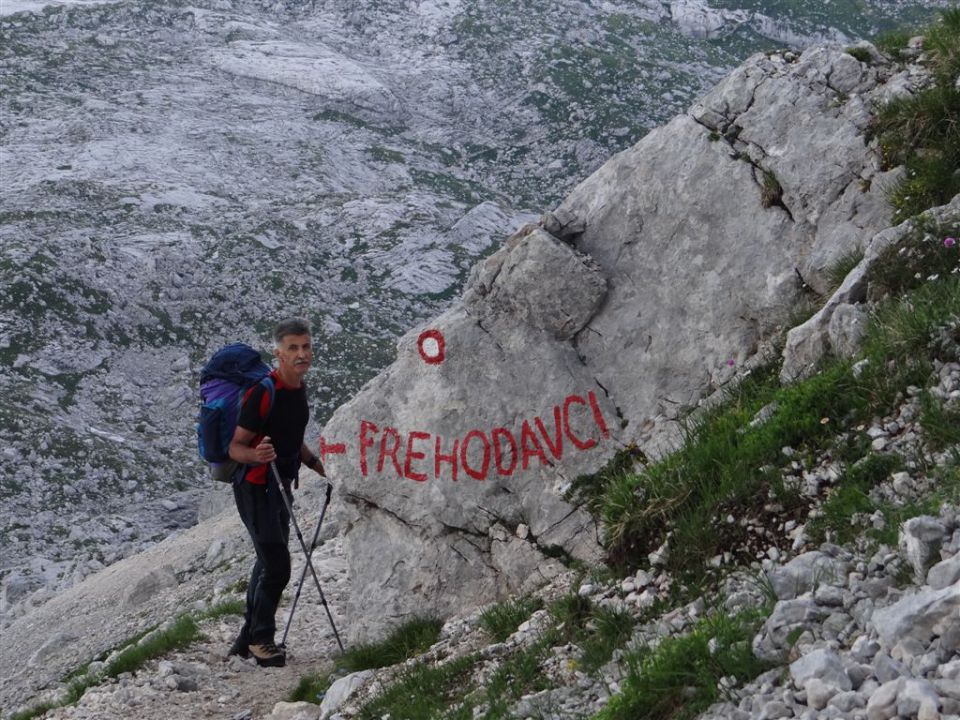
(861, 54)
(891, 43)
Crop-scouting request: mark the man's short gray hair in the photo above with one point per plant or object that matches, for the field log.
(290, 326)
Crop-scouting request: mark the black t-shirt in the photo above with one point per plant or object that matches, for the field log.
(285, 425)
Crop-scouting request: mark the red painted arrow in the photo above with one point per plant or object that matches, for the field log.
(334, 449)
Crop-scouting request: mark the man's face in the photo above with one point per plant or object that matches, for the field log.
(295, 353)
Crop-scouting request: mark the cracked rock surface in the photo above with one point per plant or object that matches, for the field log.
(679, 259)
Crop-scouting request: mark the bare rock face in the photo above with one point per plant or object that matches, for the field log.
(712, 228)
(472, 434)
(679, 258)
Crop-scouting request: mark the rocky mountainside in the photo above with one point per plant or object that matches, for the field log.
(177, 174)
(670, 271)
(852, 634)
(594, 331)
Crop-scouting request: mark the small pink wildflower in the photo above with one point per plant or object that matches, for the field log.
(730, 362)
(949, 242)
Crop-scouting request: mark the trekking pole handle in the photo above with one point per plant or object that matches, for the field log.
(329, 491)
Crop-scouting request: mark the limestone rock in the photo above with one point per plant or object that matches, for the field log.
(920, 615)
(341, 690)
(152, 583)
(824, 665)
(293, 711)
(944, 573)
(788, 619)
(805, 572)
(846, 330)
(557, 355)
(920, 538)
(882, 704)
(665, 227)
(807, 343)
(698, 20)
(441, 452)
(516, 287)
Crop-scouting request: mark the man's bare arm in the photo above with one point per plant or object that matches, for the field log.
(241, 451)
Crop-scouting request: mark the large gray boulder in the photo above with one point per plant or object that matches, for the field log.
(669, 270)
(457, 456)
(920, 615)
(713, 228)
(805, 573)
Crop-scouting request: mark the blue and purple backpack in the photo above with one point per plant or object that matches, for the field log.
(224, 382)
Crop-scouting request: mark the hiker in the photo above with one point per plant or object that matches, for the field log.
(271, 434)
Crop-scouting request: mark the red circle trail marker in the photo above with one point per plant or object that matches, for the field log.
(431, 346)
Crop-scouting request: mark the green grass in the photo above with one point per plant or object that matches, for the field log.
(424, 692)
(501, 620)
(837, 272)
(892, 42)
(941, 424)
(850, 497)
(861, 54)
(405, 642)
(570, 612)
(452, 690)
(922, 131)
(519, 675)
(35, 711)
(222, 609)
(771, 192)
(598, 631)
(725, 463)
(180, 634)
(680, 678)
(718, 464)
(311, 688)
(920, 255)
(606, 631)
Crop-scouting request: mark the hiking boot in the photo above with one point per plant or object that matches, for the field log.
(267, 654)
(240, 647)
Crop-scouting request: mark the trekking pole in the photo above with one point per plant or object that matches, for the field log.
(306, 553)
(303, 575)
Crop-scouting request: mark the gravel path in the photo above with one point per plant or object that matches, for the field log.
(199, 568)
